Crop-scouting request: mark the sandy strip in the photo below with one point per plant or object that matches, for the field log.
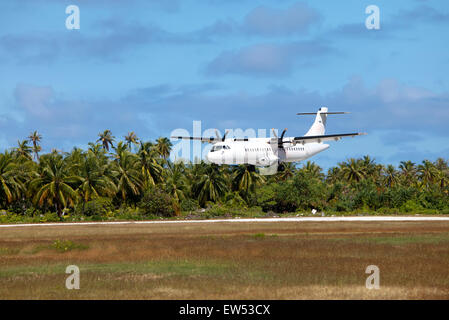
(292, 219)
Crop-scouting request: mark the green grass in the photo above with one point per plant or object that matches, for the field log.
(8, 251)
(67, 245)
(284, 260)
(401, 240)
(165, 268)
(258, 235)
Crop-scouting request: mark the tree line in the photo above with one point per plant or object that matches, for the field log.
(136, 176)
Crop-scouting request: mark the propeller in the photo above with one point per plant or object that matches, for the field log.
(218, 136)
(280, 140)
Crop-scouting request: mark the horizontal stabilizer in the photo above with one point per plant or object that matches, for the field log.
(314, 113)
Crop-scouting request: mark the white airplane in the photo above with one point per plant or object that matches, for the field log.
(269, 153)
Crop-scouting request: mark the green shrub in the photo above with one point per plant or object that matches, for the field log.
(49, 217)
(411, 206)
(127, 213)
(220, 210)
(156, 202)
(95, 208)
(189, 205)
(67, 245)
(265, 197)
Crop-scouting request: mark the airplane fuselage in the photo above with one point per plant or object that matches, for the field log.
(259, 152)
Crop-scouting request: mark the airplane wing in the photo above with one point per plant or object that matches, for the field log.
(209, 140)
(202, 139)
(326, 137)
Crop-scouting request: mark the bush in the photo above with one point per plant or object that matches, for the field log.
(156, 202)
(127, 213)
(264, 197)
(189, 205)
(95, 208)
(234, 200)
(411, 206)
(220, 210)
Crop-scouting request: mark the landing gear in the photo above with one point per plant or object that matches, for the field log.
(281, 167)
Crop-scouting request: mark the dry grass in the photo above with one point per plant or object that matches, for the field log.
(266, 260)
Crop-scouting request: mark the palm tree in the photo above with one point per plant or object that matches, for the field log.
(353, 170)
(163, 147)
(288, 171)
(313, 170)
(126, 172)
(334, 174)
(131, 138)
(121, 147)
(408, 171)
(10, 183)
(391, 176)
(371, 169)
(175, 183)
(150, 168)
(55, 183)
(75, 156)
(427, 173)
(35, 138)
(94, 178)
(245, 180)
(441, 164)
(442, 173)
(23, 150)
(442, 177)
(97, 150)
(106, 138)
(210, 186)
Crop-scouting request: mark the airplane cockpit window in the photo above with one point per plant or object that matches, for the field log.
(217, 148)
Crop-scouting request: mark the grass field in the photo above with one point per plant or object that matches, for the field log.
(264, 260)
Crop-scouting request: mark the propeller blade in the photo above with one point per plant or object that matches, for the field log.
(281, 139)
(224, 136)
(283, 132)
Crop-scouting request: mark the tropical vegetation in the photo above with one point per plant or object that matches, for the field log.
(134, 179)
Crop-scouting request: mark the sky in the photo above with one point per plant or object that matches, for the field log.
(155, 66)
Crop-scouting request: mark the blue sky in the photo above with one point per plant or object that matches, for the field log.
(155, 66)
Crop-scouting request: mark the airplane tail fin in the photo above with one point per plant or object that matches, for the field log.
(318, 127)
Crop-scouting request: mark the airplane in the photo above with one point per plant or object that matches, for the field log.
(268, 154)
